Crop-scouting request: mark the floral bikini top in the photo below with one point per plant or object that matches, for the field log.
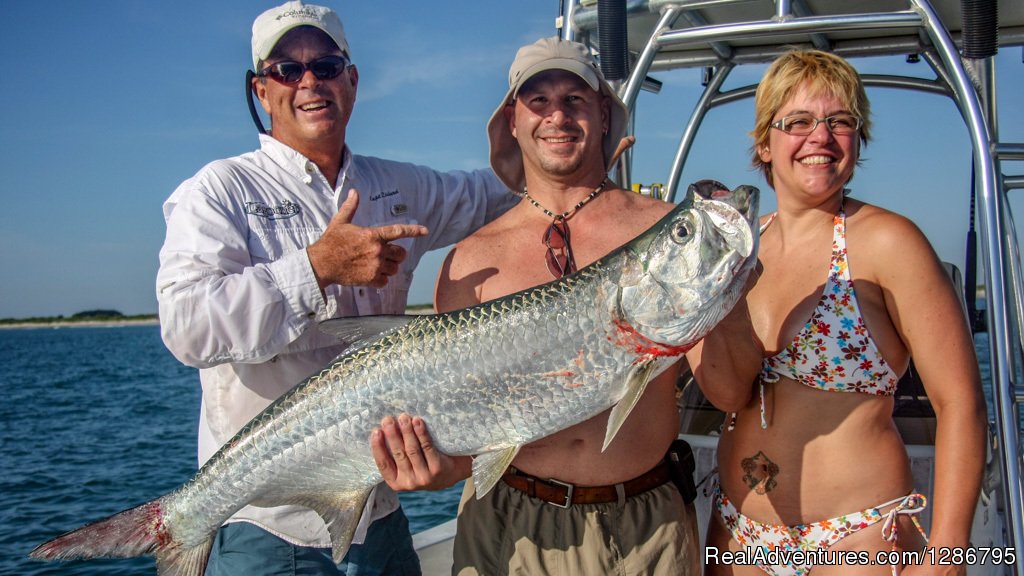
(834, 350)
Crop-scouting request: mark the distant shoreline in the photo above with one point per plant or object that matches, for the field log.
(82, 324)
(153, 321)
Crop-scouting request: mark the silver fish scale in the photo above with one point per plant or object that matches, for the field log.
(512, 408)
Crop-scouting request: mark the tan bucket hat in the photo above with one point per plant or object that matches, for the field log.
(549, 54)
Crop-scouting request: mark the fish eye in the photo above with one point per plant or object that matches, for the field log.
(682, 231)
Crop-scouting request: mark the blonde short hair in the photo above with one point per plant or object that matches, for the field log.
(825, 73)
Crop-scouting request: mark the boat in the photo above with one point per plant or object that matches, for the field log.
(952, 46)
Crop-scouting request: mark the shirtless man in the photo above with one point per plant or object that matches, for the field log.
(552, 138)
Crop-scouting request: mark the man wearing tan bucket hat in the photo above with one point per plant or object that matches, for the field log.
(552, 140)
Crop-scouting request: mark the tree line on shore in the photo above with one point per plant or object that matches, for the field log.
(84, 316)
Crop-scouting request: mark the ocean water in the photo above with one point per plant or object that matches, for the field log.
(96, 420)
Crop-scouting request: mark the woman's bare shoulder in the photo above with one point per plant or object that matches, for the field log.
(879, 227)
(889, 244)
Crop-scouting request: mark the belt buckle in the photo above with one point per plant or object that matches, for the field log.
(569, 490)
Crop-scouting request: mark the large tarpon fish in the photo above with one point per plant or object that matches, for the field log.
(486, 379)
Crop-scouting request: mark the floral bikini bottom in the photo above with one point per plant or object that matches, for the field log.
(816, 537)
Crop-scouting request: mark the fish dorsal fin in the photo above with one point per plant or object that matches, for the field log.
(341, 513)
(358, 328)
(636, 383)
(489, 467)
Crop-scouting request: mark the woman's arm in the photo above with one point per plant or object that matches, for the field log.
(926, 312)
(725, 363)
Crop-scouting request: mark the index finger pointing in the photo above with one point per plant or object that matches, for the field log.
(396, 231)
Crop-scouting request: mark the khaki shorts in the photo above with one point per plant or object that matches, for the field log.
(508, 532)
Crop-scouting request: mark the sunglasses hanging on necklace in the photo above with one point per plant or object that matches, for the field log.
(559, 259)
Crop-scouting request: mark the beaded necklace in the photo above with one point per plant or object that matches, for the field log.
(559, 258)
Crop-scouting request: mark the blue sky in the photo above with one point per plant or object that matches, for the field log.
(111, 104)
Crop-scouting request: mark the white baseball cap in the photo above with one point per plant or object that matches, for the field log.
(549, 54)
(269, 27)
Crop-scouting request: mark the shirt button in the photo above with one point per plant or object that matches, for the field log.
(362, 292)
(309, 167)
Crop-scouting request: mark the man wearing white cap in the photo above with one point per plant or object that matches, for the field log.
(262, 247)
(564, 506)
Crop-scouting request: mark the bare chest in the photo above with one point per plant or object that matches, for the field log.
(520, 261)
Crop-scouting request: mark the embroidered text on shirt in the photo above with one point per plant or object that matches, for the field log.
(286, 209)
(374, 197)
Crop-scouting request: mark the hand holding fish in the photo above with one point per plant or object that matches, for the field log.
(408, 459)
(352, 255)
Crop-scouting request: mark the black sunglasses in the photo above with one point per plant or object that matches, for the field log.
(290, 72)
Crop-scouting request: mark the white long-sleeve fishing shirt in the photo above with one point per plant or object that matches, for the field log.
(237, 294)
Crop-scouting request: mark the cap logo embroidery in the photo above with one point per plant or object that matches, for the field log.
(304, 11)
(285, 209)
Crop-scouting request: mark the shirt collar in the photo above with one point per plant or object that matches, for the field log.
(297, 164)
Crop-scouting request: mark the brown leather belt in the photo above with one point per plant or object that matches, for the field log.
(563, 494)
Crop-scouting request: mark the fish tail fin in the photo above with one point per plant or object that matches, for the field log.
(134, 532)
(138, 531)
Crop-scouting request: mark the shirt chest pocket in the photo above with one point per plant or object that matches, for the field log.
(270, 242)
(391, 299)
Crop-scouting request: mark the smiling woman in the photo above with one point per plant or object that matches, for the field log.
(852, 335)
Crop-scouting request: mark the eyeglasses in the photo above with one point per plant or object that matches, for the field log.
(804, 124)
(290, 72)
(559, 256)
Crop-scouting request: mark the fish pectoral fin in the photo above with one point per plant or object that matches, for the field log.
(341, 514)
(489, 467)
(358, 328)
(636, 383)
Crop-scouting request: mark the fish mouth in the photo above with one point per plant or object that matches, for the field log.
(722, 208)
(741, 198)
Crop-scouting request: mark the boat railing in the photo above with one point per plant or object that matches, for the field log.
(681, 34)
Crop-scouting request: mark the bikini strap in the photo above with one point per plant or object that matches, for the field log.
(839, 262)
(766, 376)
(910, 505)
(769, 378)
